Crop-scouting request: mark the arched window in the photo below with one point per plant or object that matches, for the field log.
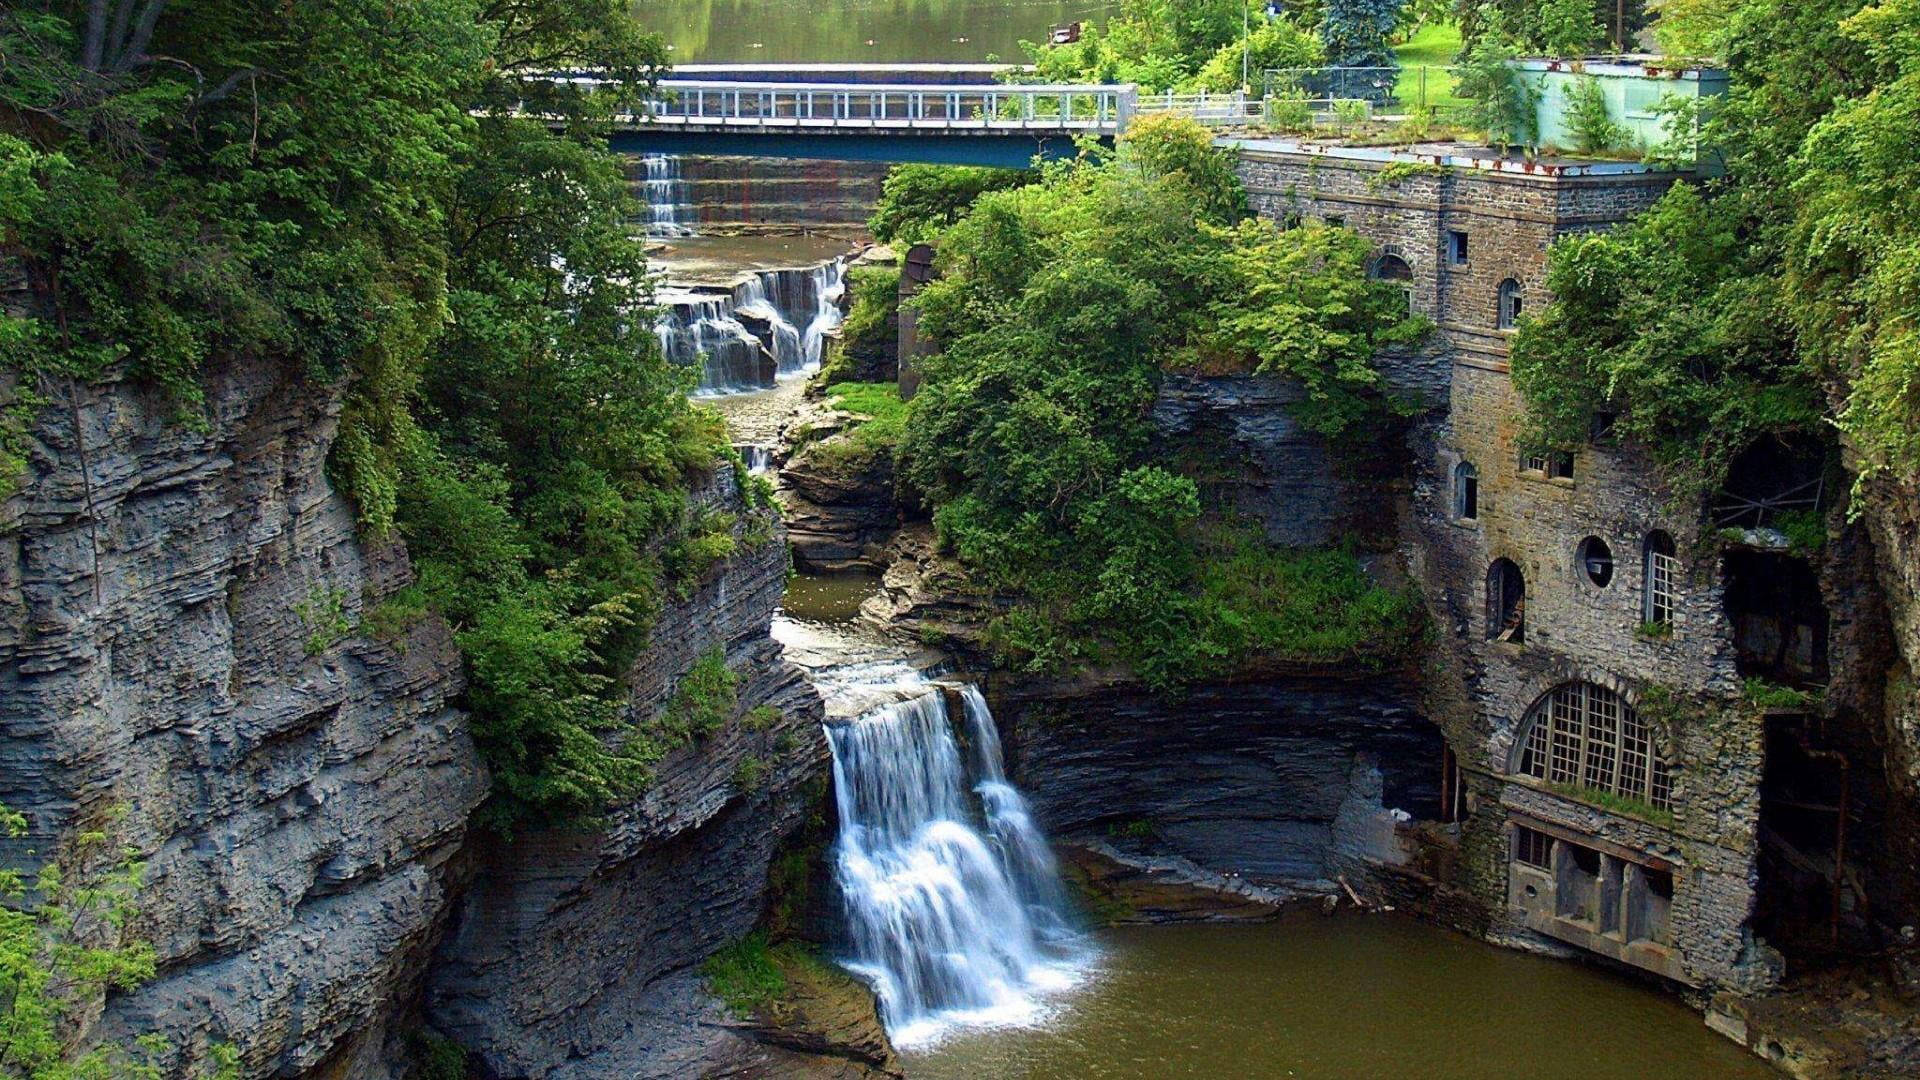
(1587, 736)
(1466, 491)
(1661, 568)
(1507, 309)
(1391, 267)
(1506, 602)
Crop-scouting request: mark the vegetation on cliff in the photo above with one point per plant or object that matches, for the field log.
(1781, 297)
(1059, 306)
(188, 184)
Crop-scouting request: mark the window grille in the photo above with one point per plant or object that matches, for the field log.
(1584, 734)
(1533, 848)
(1662, 574)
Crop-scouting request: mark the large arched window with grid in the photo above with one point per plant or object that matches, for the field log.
(1585, 735)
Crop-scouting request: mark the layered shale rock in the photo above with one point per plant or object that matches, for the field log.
(181, 639)
(575, 954)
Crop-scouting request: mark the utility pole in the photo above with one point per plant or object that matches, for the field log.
(1246, 44)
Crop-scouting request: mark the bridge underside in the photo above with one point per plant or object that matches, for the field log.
(1003, 151)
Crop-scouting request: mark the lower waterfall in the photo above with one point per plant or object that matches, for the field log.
(769, 323)
(955, 910)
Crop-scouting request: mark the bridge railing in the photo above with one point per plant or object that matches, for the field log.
(1213, 110)
(1102, 109)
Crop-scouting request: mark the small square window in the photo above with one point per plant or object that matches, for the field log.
(1457, 248)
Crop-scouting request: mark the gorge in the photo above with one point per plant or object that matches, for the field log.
(1369, 594)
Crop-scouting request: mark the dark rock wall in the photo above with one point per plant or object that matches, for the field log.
(575, 954)
(1276, 779)
(179, 638)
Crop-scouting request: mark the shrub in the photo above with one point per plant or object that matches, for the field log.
(1589, 121)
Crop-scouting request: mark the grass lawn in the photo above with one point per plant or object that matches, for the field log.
(1431, 50)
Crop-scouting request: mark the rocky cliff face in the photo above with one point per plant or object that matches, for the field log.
(180, 638)
(1286, 779)
(575, 954)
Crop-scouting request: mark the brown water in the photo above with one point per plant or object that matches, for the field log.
(717, 260)
(857, 31)
(827, 598)
(1350, 997)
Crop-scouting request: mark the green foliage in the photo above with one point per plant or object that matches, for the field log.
(1588, 120)
(439, 1057)
(761, 717)
(703, 702)
(1355, 33)
(917, 201)
(1188, 45)
(1694, 28)
(746, 975)
(1805, 530)
(1059, 305)
(324, 614)
(1566, 28)
(881, 426)
(1501, 99)
(749, 773)
(1272, 43)
(1853, 244)
(1655, 631)
(1398, 172)
(1761, 694)
(869, 326)
(261, 186)
(1615, 803)
(64, 943)
(1665, 324)
(1137, 829)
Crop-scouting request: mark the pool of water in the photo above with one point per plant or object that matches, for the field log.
(827, 598)
(857, 31)
(717, 260)
(1347, 997)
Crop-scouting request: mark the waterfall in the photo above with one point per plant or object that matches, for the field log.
(759, 459)
(799, 307)
(666, 195)
(769, 324)
(955, 912)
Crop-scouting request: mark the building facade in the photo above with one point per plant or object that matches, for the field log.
(1604, 779)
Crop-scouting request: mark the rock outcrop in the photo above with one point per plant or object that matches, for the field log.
(180, 638)
(1280, 779)
(576, 954)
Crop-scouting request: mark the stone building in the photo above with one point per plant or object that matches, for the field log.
(1604, 785)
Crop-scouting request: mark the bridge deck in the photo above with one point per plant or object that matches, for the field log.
(903, 109)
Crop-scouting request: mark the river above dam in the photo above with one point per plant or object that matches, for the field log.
(1344, 997)
(857, 31)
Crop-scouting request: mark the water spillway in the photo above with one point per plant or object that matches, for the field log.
(669, 207)
(766, 324)
(955, 911)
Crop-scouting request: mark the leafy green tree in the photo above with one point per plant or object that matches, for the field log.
(917, 201)
(1059, 306)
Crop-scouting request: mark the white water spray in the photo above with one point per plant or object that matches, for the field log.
(955, 913)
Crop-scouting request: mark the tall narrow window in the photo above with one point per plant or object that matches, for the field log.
(1457, 248)
(1662, 573)
(1466, 491)
(1585, 735)
(1508, 310)
(1506, 602)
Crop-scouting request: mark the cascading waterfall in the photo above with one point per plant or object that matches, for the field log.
(666, 196)
(955, 913)
(799, 306)
(772, 323)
